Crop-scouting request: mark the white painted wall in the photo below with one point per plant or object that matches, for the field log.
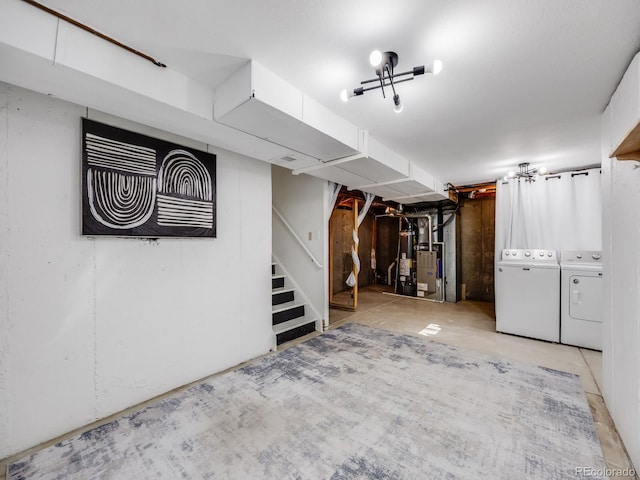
(621, 341)
(621, 264)
(303, 201)
(89, 327)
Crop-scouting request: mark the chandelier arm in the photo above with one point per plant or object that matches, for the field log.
(395, 75)
(390, 76)
(403, 80)
(362, 90)
(381, 78)
(409, 72)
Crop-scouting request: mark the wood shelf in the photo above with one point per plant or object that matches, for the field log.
(629, 149)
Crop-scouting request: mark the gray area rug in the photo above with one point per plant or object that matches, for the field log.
(353, 403)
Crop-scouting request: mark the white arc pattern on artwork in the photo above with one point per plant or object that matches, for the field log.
(183, 175)
(120, 201)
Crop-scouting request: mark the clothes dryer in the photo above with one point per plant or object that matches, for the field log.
(528, 294)
(581, 298)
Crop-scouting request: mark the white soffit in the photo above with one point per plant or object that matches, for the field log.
(62, 61)
(294, 160)
(372, 170)
(256, 113)
(384, 191)
(338, 175)
(257, 102)
(383, 173)
(516, 111)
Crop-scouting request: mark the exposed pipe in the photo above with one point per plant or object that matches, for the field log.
(440, 224)
(393, 264)
(405, 216)
(397, 275)
(95, 32)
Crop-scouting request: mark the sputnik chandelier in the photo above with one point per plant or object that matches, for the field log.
(529, 174)
(384, 64)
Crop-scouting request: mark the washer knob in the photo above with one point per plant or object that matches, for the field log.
(549, 254)
(527, 254)
(579, 255)
(596, 256)
(513, 252)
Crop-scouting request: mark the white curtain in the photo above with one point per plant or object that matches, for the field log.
(556, 212)
(335, 190)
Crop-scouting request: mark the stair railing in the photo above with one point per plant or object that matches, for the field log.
(295, 235)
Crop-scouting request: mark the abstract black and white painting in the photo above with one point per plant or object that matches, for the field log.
(138, 186)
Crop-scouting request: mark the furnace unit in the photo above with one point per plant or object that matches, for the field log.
(427, 272)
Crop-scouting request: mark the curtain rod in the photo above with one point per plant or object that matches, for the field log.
(95, 32)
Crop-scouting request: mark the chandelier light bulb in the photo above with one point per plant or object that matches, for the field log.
(375, 58)
(344, 95)
(397, 104)
(511, 174)
(543, 170)
(505, 178)
(437, 67)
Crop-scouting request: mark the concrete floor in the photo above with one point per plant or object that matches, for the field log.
(464, 324)
(472, 325)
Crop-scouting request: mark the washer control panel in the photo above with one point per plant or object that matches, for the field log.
(590, 257)
(530, 255)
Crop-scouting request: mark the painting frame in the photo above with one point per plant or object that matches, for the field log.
(138, 186)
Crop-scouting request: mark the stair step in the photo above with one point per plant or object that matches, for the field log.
(287, 311)
(289, 318)
(277, 281)
(282, 295)
(293, 329)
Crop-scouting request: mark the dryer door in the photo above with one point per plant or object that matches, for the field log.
(585, 298)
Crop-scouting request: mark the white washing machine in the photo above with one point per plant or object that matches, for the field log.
(528, 294)
(581, 298)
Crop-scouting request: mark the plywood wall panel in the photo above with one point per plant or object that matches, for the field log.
(477, 222)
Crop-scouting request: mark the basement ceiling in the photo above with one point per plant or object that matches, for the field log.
(523, 80)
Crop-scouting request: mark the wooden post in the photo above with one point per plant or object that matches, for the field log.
(330, 258)
(349, 304)
(355, 246)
